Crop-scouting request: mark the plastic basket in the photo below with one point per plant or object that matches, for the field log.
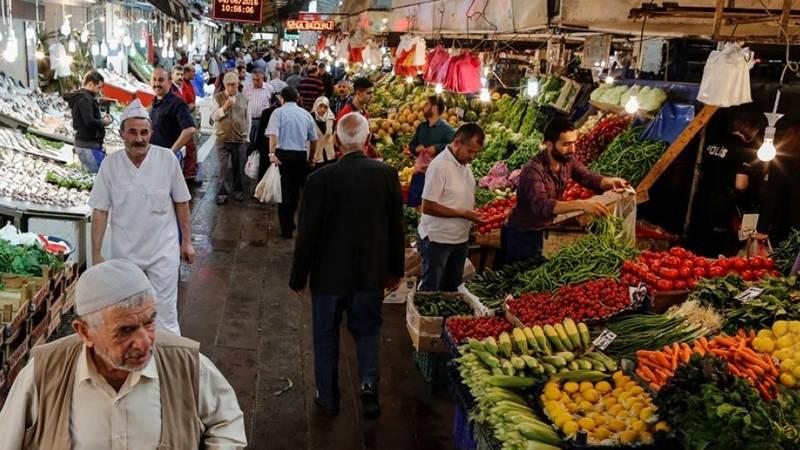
(484, 438)
(463, 438)
(458, 390)
(433, 367)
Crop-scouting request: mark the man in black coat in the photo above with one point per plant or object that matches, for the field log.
(350, 242)
(88, 122)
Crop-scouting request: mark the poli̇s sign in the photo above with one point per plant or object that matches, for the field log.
(248, 11)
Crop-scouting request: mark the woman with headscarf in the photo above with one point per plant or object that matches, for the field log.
(323, 116)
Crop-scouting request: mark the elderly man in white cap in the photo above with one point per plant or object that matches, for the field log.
(141, 193)
(118, 383)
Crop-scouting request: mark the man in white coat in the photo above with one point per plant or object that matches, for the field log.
(142, 194)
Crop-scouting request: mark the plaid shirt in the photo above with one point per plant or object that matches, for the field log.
(540, 189)
(337, 103)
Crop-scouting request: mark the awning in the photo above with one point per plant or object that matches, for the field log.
(177, 9)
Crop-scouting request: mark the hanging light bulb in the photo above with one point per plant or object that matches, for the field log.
(39, 54)
(72, 46)
(609, 79)
(11, 52)
(65, 27)
(103, 49)
(160, 43)
(632, 105)
(164, 53)
(29, 33)
(126, 41)
(438, 88)
(95, 49)
(767, 150)
(484, 95)
(532, 89)
(84, 35)
(409, 79)
(170, 52)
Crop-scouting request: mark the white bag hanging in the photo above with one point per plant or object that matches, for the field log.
(269, 188)
(726, 77)
(251, 166)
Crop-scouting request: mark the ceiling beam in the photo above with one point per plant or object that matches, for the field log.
(718, 18)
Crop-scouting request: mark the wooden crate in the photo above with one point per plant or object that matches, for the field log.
(39, 327)
(15, 354)
(16, 281)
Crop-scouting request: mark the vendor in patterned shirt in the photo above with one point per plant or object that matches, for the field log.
(541, 186)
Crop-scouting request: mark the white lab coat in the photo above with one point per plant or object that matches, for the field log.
(144, 227)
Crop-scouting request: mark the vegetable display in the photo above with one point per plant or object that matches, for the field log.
(526, 150)
(492, 286)
(460, 328)
(574, 191)
(782, 342)
(411, 220)
(615, 414)
(590, 300)
(26, 259)
(629, 157)
(434, 304)
(786, 253)
(495, 214)
(599, 254)
(590, 145)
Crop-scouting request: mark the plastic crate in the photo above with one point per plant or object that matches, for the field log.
(484, 438)
(463, 438)
(458, 390)
(433, 367)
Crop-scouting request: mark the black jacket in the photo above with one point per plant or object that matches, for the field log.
(86, 118)
(261, 143)
(350, 236)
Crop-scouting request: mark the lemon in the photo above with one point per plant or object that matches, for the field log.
(586, 424)
(617, 375)
(636, 408)
(552, 394)
(571, 387)
(603, 387)
(623, 397)
(788, 380)
(763, 344)
(623, 381)
(551, 405)
(585, 385)
(562, 418)
(796, 372)
(628, 437)
(572, 407)
(585, 406)
(615, 409)
(570, 428)
(617, 425)
(789, 364)
(591, 395)
(646, 438)
(637, 390)
(599, 420)
(630, 385)
(780, 327)
(784, 341)
(616, 392)
(663, 426)
(783, 354)
(638, 426)
(552, 385)
(647, 414)
(609, 401)
(794, 326)
(601, 433)
(767, 334)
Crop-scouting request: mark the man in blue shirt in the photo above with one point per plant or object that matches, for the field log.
(172, 123)
(292, 132)
(430, 138)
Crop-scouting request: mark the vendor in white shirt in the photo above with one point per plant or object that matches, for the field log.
(118, 383)
(143, 195)
(448, 211)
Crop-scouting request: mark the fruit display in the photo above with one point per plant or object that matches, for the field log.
(405, 175)
(612, 412)
(782, 342)
(591, 300)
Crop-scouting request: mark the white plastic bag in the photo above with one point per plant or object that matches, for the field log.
(626, 208)
(726, 77)
(269, 188)
(251, 167)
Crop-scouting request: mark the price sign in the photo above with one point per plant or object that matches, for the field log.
(248, 11)
(749, 294)
(605, 339)
(459, 113)
(637, 293)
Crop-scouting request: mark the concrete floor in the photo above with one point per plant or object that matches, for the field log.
(234, 300)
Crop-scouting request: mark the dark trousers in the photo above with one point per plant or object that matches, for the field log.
(254, 129)
(364, 318)
(232, 158)
(442, 265)
(521, 245)
(294, 168)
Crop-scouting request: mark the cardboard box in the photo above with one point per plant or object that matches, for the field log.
(427, 332)
(407, 288)
(426, 343)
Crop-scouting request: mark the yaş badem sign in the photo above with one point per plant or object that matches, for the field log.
(310, 25)
(237, 10)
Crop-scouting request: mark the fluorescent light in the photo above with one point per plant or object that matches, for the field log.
(484, 95)
(438, 88)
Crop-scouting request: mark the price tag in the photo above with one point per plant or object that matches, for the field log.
(459, 113)
(637, 294)
(749, 294)
(605, 339)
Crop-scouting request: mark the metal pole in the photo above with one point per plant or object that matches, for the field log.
(695, 181)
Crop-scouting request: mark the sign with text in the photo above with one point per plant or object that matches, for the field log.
(310, 25)
(237, 10)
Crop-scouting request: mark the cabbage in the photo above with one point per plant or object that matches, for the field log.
(613, 95)
(652, 99)
(598, 93)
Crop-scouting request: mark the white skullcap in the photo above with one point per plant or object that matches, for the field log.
(107, 284)
(134, 111)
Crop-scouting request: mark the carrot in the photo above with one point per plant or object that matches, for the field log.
(648, 374)
(749, 356)
(749, 373)
(686, 352)
(735, 370)
(724, 340)
(656, 387)
(720, 352)
(764, 391)
(772, 369)
(674, 362)
(661, 360)
(645, 353)
(641, 373)
(752, 334)
(647, 362)
(741, 345)
(758, 370)
(663, 373)
(740, 333)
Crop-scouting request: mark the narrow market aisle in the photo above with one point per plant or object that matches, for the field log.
(234, 300)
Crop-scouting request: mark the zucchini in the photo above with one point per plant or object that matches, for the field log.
(539, 433)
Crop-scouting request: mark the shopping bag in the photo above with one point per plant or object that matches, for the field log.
(269, 188)
(251, 166)
(626, 208)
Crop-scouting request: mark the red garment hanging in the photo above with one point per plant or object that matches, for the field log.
(438, 61)
(355, 55)
(464, 74)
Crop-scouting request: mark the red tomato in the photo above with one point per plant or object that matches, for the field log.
(739, 264)
(724, 264)
(747, 275)
(758, 274)
(680, 285)
(700, 262)
(679, 252)
(671, 261)
(651, 278)
(664, 285)
(699, 272)
(686, 272)
(691, 284)
(687, 263)
(769, 264)
(716, 271)
(669, 274)
(757, 262)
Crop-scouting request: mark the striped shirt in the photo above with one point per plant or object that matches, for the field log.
(258, 99)
(310, 88)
